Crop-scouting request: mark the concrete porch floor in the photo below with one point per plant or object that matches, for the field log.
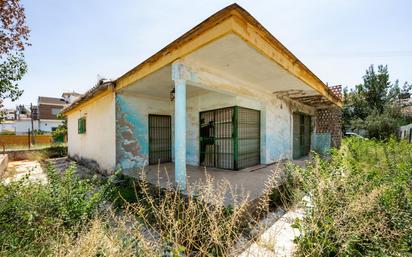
(249, 182)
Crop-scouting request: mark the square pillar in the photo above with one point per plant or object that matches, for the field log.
(180, 133)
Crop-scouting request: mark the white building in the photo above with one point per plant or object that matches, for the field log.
(227, 94)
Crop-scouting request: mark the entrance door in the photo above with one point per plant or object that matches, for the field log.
(301, 135)
(248, 135)
(230, 138)
(160, 138)
(216, 138)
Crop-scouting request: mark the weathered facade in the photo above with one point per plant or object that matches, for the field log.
(226, 94)
(97, 144)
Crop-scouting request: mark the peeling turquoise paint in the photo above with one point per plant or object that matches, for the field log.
(321, 143)
(132, 146)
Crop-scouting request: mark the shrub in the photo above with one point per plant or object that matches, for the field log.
(32, 214)
(60, 133)
(55, 151)
(8, 133)
(100, 238)
(360, 201)
(63, 218)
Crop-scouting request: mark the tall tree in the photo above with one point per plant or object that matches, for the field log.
(14, 35)
(375, 105)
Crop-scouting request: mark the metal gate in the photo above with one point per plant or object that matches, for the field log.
(230, 138)
(301, 135)
(160, 138)
(248, 134)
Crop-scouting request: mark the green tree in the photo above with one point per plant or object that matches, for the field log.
(14, 34)
(60, 133)
(375, 105)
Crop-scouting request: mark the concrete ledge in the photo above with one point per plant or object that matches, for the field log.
(91, 164)
(35, 154)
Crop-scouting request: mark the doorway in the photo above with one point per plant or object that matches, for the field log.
(160, 138)
(230, 138)
(301, 135)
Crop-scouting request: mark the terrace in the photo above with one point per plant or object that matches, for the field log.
(249, 182)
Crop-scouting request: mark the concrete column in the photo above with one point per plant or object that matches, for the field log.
(180, 133)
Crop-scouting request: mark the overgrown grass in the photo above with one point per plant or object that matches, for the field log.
(70, 217)
(33, 215)
(196, 223)
(360, 201)
(360, 205)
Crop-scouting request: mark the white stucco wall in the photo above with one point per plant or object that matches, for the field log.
(48, 125)
(23, 125)
(8, 126)
(99, 141)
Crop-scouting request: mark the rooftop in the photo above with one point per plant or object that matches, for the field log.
(51, 100)
(230, 20)
(71, 93)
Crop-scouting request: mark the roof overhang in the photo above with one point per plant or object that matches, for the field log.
(232, 19)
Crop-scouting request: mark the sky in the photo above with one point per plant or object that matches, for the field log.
(76, 42)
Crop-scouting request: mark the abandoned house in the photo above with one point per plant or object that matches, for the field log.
(227, 94)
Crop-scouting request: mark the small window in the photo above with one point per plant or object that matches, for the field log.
(55, 111)
(81, 125)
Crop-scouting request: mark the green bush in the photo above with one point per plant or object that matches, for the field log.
(60, 133)
(55, 151)
(5, 133)
(122, 190)
(33, 215)
(360, 201)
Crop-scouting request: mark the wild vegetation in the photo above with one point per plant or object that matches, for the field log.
(360, 204)
(32, 214)
(119, 217)
(360, 201)
(375, 106)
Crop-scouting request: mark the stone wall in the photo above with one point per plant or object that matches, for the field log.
(329, 120)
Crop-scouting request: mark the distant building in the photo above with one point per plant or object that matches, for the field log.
(7, 126)
(8, 114)
(47, 111)
(43, 116)
(23, 122)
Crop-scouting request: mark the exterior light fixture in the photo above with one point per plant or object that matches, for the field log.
(172, 95)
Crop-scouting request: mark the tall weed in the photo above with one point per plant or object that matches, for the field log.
(360, 201)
